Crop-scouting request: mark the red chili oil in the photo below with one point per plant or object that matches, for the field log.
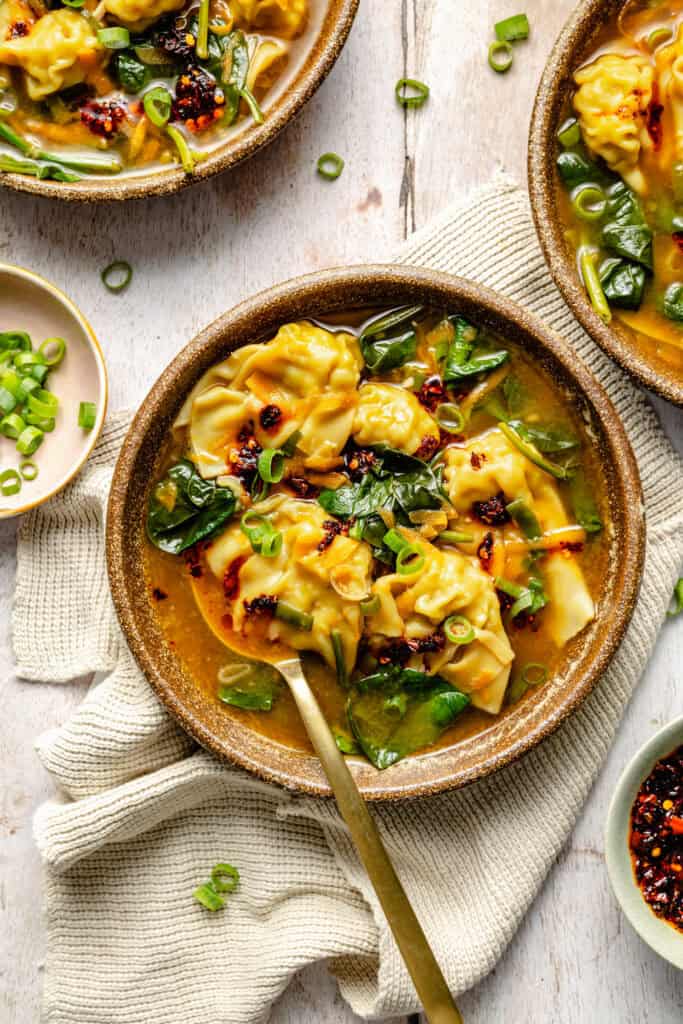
(656, 840)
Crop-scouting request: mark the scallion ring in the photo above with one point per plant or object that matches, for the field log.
(76, 4)
(271, 544)
(28, 470)
(500, 56)
(208, 897)
(52, 350)
(42, 403)
(256, 527)
(12, 425)
(29, 440)
(10, 483)
(370, 606)
(589, 202)
(569, 134)
(44, 423)
(394, 541)
(117, 275)
(450, 418)
(271, 465)
(512, 29)
(224, 877)
(116, 38)
(535, 673)
(458, 630)
(410, 560)
(158, 103)
(411, 93)
(330, 166)
(27, 360)
(87, 415)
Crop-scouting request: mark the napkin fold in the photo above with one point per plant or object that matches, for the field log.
(145, 813)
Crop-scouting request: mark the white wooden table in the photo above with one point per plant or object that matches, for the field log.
(574, 959)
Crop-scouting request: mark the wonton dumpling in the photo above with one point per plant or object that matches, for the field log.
(611, 101)
(393, 416)
(284, 17)
(326, 584)
(416, 605)
(326, 429)
(670, 69)
(504, 468)
(139, 14)
(217, 418)
(58, 52)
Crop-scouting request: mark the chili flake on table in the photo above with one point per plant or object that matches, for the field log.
(656, 839)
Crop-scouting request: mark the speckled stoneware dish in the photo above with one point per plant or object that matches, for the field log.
(573, 46)
(29, 303)
(243, 141)
(659, 935)
(332, 291)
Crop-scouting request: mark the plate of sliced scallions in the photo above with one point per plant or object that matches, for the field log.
(53, 390)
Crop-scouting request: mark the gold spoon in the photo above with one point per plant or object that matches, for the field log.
(429, 982)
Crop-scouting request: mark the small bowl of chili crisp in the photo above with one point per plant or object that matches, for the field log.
(644, 842)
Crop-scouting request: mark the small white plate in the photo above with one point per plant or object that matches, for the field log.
(29, 303)
(657, 933)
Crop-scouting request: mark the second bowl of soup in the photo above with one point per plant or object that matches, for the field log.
(397, 475)
(606, 181)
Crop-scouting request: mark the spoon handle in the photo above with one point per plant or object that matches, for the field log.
(429, 982)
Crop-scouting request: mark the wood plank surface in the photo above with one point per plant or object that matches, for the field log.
(575, 959)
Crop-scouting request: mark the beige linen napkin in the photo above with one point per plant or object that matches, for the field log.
(146, 814)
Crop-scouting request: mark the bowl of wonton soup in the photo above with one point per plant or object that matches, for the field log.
(413, 483)
(605, 166)
(129, 98)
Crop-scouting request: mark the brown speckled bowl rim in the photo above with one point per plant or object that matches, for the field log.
(258, 318)
(316, 66)
(572, 45)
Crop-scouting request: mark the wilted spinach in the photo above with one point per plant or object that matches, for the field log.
(463, 360)
(258, 690)
(672, 305)
(396, 711)
(184, 508)
(623, 282)
(626, 232)
(390, 340)
(554, 438)
(132, 74)
(583, 503)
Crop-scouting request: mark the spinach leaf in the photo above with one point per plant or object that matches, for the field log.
(623, 282)
(131, 73)
(390, 341)
(583, 503)
(672, 305)
(397, 711)
(255, 692)
(556, 438)
(514, 393)
(398, 483)
(626, 232)
(184, 509)
(479, 362)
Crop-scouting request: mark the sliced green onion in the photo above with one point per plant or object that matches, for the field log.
(569, 134)
(677, 599)
(658, 36)
(10, 483)
(525, 518)
(181, 145)
(410, 560)
(158, 103)
(458, 630)
(224, 877)
(87, 415)
(117, 275)
(208, 897)
(589, 202)
(591, 280)
(257, 528)
(293, 617)
(532, 453)
(29, 440)
(511, 30)
(500, 56)
(330, 166)
(7, 401)
(259, 489)
(508, 587)
(39, 372)
(202, 44)
(12, 426)
(271, 545)
(116, 38)
(42, 403)
(28, 385)
(449, 416)
(371, 606)
(28, 470)
(535, 673)
(52, 350)
(411, 93)
(394, 541)
(15, 340)
(251, 101)
(27, 360)
(271, 465)
(455, 537)
(44, 423)
(339, 660)
(76, 4)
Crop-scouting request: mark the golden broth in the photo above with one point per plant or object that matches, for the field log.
(171, 579)
(73, 122)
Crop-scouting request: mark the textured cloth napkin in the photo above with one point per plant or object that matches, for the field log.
(146, 814)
